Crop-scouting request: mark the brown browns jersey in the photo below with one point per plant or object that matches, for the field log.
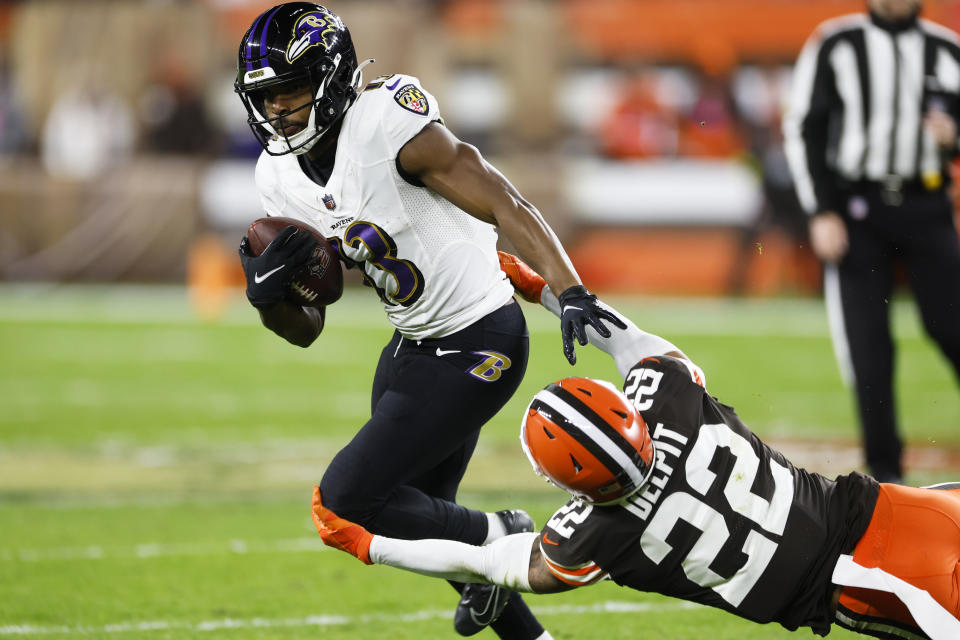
(724, 520)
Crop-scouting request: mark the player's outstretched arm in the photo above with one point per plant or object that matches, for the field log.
(512, 561)
(627, 347)
(458, 172)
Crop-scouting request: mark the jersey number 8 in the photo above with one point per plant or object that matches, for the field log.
(383, 256)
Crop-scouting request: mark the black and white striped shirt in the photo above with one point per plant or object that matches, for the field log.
(860, 92)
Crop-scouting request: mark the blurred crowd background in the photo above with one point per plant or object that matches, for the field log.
(646, 131)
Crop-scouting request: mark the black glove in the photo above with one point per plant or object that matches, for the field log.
(578, 308)
(268, 275)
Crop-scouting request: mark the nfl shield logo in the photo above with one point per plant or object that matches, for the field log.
(328, 202)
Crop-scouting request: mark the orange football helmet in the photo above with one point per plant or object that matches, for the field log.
(586, 437)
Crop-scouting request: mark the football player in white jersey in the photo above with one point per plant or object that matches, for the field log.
(374, 169)
(672, 493)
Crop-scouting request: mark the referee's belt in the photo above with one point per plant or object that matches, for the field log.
(893, 188)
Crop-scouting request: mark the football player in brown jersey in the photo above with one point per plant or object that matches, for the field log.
(673, 493)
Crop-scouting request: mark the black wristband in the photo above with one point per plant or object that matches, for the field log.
(575, 291)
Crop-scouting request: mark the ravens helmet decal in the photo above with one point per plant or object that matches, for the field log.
(310, 30)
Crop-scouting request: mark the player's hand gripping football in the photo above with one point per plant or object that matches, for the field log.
(525, 280)
(339, 533)
(268, 275)
(579, 308)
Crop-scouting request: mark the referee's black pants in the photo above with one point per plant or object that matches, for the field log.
(920, 233)
(399, 475)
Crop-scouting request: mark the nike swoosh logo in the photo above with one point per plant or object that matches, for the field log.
(260, 278)
(394, 85)
(443, 352)
(547, 539)
(481, 617)
(570, 306)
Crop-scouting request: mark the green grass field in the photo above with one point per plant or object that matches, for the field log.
(155, 470)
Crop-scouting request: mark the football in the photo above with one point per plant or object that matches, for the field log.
(317, 284)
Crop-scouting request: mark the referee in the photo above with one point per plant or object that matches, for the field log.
(869, 133)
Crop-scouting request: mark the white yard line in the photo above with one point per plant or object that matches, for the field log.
(329, 620)
(157, 550)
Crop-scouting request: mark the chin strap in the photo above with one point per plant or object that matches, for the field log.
(282, 143)
(357, 81)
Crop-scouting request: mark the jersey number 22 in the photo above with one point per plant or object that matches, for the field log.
(769, 515)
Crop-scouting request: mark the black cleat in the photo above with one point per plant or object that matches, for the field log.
(482, 604)
(516, 521)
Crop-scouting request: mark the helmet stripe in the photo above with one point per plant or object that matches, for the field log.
(561, 417)
(253, 31)
(263, 36)
(590, 433)
(590, 414)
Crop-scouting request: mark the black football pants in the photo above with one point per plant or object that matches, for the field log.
(919, 233)
(399, 475)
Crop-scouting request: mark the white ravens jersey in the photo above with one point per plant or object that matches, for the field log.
(434, 266)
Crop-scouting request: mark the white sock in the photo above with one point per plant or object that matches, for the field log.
(545, 636)
(495, 528)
